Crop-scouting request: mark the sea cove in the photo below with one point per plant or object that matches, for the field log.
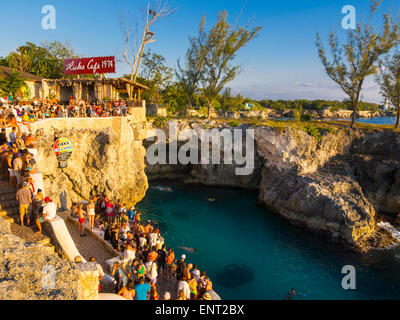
(234, 235)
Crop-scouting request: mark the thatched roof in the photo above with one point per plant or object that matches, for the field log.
(117, 82)
(6, 71)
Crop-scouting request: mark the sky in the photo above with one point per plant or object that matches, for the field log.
(281, 63)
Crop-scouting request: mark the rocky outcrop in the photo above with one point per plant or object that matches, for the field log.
(376, 162)
(26, 271)
(305, 182)
(221, 175)
(101, 162)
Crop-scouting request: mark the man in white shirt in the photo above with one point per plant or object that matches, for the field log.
(50, 209)
(99, 269)
(183, 285)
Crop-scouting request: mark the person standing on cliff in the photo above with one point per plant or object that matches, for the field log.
(24, 198)
(81, 217)
(184, 286)
(17, 166)
(180, 267)
(99, 269)
(109, 212)
(13, 135)
(91, 214)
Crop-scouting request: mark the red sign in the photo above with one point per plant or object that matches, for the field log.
(89, 65)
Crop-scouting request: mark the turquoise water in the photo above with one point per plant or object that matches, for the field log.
(250, 253)
(378, 120)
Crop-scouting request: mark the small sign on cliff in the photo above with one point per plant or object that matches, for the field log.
(63, 149)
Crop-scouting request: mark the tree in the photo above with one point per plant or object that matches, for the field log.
(20, 59)
(388, 79)
(11, 84)
(190, 75)
(46, 60)
(351, 63)
(175, 97)
(156, 75)
(3, 62)
(134, 49)
(58, 52)
(231, 103)
(220, 46)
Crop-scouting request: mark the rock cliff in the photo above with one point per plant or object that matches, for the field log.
(101, 162)
(25, 267)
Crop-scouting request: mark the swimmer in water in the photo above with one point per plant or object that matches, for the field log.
(291, 294)
(190, 250)
(211, 199)
(166, 189)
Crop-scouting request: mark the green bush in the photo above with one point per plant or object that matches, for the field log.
(160, 122)
(314, 132)
(329, 129)
(306, 117)
(234, 123)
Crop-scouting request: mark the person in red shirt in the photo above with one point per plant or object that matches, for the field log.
(109, 212)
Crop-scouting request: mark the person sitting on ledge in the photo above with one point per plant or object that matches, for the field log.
(46, 214)
(29, 141)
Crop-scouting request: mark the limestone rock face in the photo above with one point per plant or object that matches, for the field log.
(222, 174)
(302, 182)
(25, 267)
(377, 168)
(100, 162)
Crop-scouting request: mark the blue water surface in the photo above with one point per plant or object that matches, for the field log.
(378, 120)
(250, 253)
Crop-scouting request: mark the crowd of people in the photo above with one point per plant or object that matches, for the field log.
(140, 244)
(13, 114)
(144, 252)
(19, 167)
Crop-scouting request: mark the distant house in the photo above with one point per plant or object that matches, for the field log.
(33, 82)
(248, 106)
(387, 106)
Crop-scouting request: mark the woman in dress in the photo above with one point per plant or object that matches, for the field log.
(91, 214)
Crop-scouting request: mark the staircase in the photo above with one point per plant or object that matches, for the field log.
(8, 203)
(9, 210)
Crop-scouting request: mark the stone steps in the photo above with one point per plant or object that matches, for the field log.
(9, 219)
(7, 197)
(45, 242)
(49, 245)
(9, 210)
(8, 204)
(7, 190)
